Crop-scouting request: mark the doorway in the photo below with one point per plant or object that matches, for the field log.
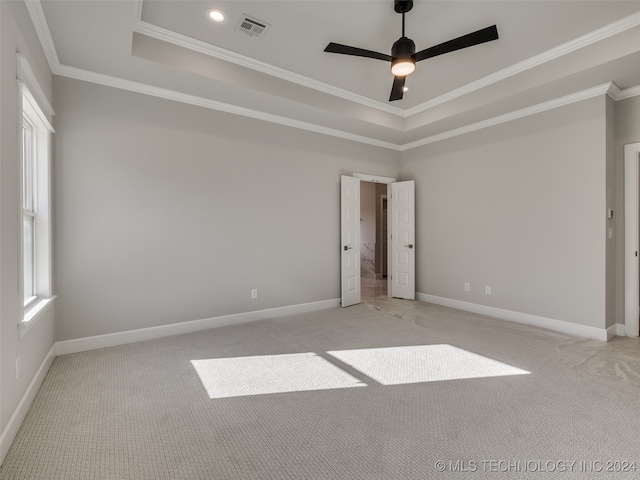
(401, 238)
(373, 238)
(632, 238)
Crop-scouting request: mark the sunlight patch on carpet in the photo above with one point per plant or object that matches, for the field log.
(423, 363)
(242, 376)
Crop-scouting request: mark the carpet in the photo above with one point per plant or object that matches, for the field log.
(396, 390)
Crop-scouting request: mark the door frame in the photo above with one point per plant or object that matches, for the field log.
(631, 234)
(365, 177)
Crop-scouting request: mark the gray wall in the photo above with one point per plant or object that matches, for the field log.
(520, 207)
(16, 35)
(627, 130)
(627, 125)
(168, 213)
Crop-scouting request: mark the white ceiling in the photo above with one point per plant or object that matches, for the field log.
(547, 50)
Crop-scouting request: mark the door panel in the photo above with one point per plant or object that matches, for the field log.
(350, 235)
(403, 240)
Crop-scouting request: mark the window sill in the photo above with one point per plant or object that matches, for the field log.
(35, 312)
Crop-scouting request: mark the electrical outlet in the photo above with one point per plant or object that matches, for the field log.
(487, 290)
(467, 286)
(17, 368)
(254, 293)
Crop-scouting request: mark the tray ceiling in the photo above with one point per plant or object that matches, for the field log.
(547, 50)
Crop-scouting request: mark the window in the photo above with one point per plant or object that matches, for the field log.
(35, 202)
(28, 211)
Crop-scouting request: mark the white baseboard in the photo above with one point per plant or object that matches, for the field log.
(131, 336)
(121, 338)
(11, 430)
(612, 331)
(561, 326)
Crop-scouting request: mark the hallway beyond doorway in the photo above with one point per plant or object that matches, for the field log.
(372, 288)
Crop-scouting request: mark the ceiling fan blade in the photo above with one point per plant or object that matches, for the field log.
(398, 88)
(358, 52)
(469, 40)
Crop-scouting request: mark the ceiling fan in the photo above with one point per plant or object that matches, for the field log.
(403, 56)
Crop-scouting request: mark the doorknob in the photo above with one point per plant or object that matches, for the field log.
(348, 248)
(410, 245)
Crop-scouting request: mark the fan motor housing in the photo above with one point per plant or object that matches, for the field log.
(403, 48)
(402, 6)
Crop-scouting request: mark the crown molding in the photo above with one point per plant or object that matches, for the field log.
(606, 89)
(614, 92)
(515, 115)
(590, 38)
(115, 82)
(598, 35)
(36, 13)
(617, 94)
(595, 36)
(34, 7)
(138, 10)
(628, 93)
(169, 36)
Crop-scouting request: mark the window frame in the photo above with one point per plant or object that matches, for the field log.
(35, 196)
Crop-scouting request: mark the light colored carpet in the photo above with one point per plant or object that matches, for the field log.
(384, 390)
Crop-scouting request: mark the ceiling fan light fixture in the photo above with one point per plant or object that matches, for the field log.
(402, 63)
(401, 67)
(403, 56)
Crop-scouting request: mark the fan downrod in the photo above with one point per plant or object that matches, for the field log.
(402, 6)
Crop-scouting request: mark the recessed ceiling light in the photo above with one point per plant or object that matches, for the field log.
(216, 16)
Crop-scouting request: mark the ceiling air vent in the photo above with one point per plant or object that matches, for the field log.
(252, 26)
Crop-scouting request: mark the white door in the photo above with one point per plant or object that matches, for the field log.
(632, 236)
(403, 236)
(350, 235)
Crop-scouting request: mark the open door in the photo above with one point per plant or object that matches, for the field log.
(350, 236)
(632, 239)
(403, 236)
